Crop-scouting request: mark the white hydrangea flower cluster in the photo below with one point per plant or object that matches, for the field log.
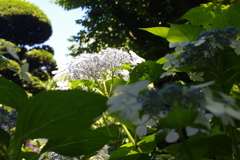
(100, 66)
(102, 154)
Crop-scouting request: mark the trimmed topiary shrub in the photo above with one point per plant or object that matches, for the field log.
(23, 23)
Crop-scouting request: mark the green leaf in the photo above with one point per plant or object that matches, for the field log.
(200, 15)
(83, 82)
(226, 73)
(83, 143)
(160, 139)
(4, 138)
(128, 154)
(113, 129)
(179, 33)
(219, 145)
(179, 118)
(128, 124)
(159, 31)
(11, 94)
(147, 144)
(147, 70)
(56, 114)
(197, 148)
(230, 17)
(173, 149)
(113, 83)
(29, 155)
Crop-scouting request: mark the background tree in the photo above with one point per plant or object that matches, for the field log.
(116, 23)
(24, 24)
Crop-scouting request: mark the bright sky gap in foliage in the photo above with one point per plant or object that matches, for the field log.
(63, 25)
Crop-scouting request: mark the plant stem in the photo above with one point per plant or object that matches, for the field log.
(186, 145)
(235, 146)
(105, 122)
(131, 138)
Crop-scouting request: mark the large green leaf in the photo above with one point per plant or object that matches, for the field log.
(230, 17)
(4, 137)
(179, 118)
(83, 143)
(148, 70)
(113, 83)
(219, 145)
(197, 148)
(179, 33)
(147, 144)
(11, 94)
(200, 15)
(226, 73)
(159, 31)
(57, 114)
(29, 156)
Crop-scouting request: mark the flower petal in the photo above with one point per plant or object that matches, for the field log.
(141, 130)
(167, 64)
(191, 131)
(150, 123)
(173, 44)
(184, 43)
(172, 136)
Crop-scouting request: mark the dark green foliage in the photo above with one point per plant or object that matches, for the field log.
(23, 23)
(148, 70)
(116, 24)
(38, 58)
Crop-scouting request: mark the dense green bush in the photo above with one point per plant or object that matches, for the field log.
(23, 23)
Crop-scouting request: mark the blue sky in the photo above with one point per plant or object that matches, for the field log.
(63, 25)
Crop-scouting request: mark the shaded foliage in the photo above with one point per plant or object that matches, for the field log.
(111, 23)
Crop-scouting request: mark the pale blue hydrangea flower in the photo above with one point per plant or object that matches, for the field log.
(171, 60)
(179, 46)
(142, 123)
(172, 135)
(127, 102)
(207, 45)
(235, 44)
(203, 119)
(197, 76)
(168, 72)
(224, 108)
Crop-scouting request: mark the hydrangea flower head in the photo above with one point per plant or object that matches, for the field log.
(207, 45)
(127, 102)
(97, 67)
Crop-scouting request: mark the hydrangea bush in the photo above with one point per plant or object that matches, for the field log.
(106, 106)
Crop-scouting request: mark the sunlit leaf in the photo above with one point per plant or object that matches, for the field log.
(159, 31)
(179, 33)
